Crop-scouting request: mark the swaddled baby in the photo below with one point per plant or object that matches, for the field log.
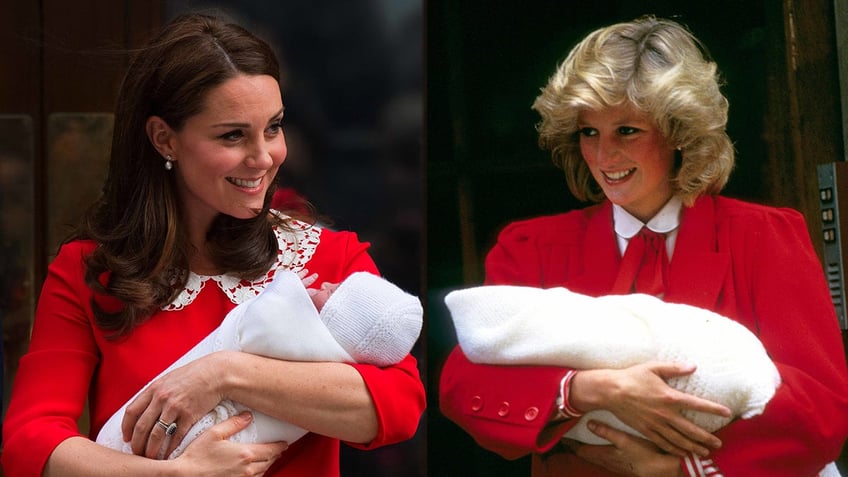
(365, 319)
(510, 325)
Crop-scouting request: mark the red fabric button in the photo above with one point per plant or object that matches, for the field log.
(504, 410)
(531, 413)
(476, 403)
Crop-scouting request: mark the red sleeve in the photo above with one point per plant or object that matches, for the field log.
(52, 381)
(397, 390)
(505, 408)
(805, 424)
(514, 260)
(399, 399)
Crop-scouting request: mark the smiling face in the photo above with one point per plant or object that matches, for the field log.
(628, 157)
(228, 154)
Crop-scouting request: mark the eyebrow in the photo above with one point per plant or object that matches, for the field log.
(246, 125)
(624, 121)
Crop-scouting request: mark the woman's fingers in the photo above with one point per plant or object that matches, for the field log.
(229, 427)
(159, 435)
(643, 399)
(614, 436)
(224, 430)
(676, 447)
(132, 414)
(183, 426)
(670, 370)
(151, 426)
(179, 397)
(682, 432)
(682, 444)
(212, 454)
(690, 402)
(691, 433)
(628, 455)
(142, 421)
(165, 431)
(667, 371)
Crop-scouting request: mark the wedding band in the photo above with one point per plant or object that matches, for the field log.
(170, 429)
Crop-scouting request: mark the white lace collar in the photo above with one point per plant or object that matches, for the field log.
(295, 249)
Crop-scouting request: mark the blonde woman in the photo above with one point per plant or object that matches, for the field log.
(636, 119)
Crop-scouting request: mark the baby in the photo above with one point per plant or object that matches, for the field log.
(508, 325)
(364, 319)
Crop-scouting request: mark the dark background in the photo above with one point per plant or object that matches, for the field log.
(487, 61)
(352, 79)
(360, 80)
(352, 86)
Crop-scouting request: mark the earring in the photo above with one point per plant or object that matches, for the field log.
(169, 162)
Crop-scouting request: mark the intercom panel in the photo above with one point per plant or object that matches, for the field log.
(833, 198)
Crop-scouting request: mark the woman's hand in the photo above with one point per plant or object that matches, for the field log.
(212, 455)
(628, 455)
(182, 396)
(641, 398)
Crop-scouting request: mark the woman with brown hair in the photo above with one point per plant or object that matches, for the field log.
(182, 234)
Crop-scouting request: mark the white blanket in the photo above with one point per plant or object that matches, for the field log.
(282, 323)
(522, 325)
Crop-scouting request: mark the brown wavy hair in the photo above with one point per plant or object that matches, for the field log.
(143, 248)
(659, 67)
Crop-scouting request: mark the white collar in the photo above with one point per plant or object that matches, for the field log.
(295, 247)
(665, 221)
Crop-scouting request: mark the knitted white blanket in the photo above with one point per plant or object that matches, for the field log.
(283, 323)
(510, 325)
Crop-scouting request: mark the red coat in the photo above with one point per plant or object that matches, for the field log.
(752, 263)
(70, 360)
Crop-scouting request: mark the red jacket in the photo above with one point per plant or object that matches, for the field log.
(752, 263)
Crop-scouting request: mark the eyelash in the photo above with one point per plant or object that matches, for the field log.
(277, 126)
(621, 130)
(232, 136)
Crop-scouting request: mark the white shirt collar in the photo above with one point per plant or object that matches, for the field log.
(666, 220)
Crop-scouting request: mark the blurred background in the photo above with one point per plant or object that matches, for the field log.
(487, 61)
(355, 75)
(352, 78)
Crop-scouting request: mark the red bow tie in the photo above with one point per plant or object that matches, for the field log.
(644, 267)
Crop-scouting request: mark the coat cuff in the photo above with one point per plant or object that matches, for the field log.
(695, 466)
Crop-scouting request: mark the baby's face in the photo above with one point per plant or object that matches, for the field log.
(321, 295)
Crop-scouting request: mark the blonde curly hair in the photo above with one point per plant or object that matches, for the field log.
(659, 67)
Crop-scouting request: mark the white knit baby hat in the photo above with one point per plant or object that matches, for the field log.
(374, 320)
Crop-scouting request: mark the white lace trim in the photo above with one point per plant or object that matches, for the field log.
(295, 249)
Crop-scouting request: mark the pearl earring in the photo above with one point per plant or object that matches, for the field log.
(169, 162)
